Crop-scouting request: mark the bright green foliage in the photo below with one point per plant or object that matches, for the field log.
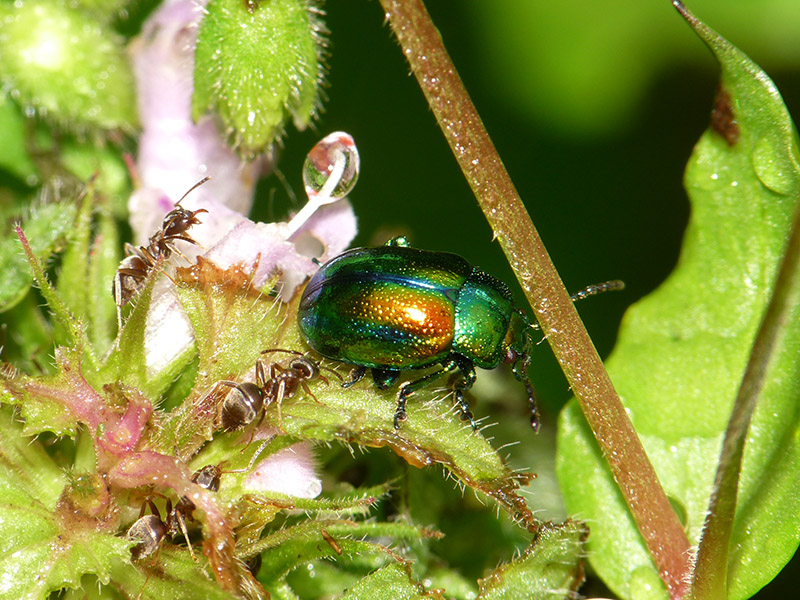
(12, 151)
(548, 568)
(393, 581)
(45, 544)
(257, 64)
(61, 63)
(47, 225)
(683, 349)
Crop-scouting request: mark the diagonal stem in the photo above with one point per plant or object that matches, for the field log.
(423, 47)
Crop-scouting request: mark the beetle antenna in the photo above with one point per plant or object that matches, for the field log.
(598, 288)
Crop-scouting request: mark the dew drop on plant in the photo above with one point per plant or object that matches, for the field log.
(772, 169)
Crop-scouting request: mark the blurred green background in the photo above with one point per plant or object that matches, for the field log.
(594, 108)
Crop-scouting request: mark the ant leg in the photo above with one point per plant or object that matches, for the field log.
(253, 459)
(182, 525)
(308, 391)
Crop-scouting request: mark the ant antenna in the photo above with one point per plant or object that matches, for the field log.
(193, 188)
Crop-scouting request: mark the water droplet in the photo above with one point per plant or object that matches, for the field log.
(329, 174)
(331, 168)
(772, 169)
(645, 584)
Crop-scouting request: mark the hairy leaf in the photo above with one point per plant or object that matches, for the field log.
(551, 567)
(45, 543)
(45, 226)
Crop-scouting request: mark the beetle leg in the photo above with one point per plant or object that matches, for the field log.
(409, 387)
(385, 378)
(468, 378)
(520, 370)
(356, 375)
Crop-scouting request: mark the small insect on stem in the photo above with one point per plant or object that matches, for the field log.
(148, 531)
(273, 384)
(140, 262)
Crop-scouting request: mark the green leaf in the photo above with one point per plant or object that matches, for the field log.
(551, 567)
(174, 576)
(62, 63)
(683, 349)
(392, 581)
(258, 64)
(13, 156)
(45, 227)
(45, 544)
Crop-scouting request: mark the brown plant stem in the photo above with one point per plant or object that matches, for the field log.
(423, 48)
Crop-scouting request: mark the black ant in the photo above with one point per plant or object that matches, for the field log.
(150, 530)
(274, 383)
(139, 262)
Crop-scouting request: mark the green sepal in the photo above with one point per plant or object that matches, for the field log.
(257, 64)
(45, 227)
(88, 267)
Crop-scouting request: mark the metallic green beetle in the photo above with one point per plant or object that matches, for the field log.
(396, 308)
